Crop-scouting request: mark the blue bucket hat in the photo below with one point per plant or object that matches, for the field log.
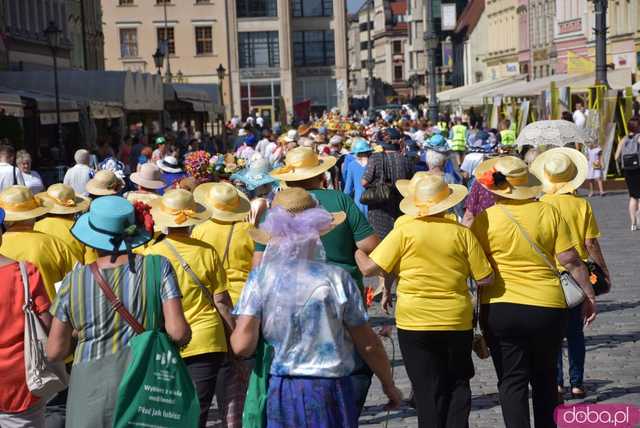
(393, 133)
(255, 175)
(250, 140)
(360, 145)
(110, 226)
(437, 143)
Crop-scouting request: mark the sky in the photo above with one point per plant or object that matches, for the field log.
(353, 5)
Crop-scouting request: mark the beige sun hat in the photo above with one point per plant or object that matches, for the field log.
(64, 200)
(296, 200)
(225, 201)
(149, 177)
(561, 170)
(19, 204)
(509, 177)
(104, 183)
(178, 208)
(427, 194)
(303, 163)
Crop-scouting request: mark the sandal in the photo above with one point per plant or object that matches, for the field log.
(578, 392)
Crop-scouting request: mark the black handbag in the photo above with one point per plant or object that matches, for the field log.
(598, 278)
(631, 161)
(378, 194)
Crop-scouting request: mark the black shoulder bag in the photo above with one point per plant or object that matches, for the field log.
(378, 194)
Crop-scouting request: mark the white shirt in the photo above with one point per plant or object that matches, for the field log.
(579, 118)
(77, 178)
(33, 181)
(9, 175)
(470, 162)
(261, 147)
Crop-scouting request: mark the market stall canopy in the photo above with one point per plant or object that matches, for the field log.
(11, 104)
(470, 95)
(203, 98)
(618, 79)
(44, 104)
(131, 91)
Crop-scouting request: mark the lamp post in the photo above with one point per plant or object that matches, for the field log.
(370, 81)
(600, 8)
(53, 35)
(158, 61)
(431, 45)
(221, 71)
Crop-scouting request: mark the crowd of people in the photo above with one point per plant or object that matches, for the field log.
(272, 249)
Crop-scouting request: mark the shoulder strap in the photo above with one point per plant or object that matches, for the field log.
(225, 257)
(115, 302)
(25, 284)
(528, 238)
(185, 266)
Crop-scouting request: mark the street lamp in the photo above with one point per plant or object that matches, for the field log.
(221, 73)
(54, 35)
(370, 64)
(158, 61)
(600, 8)
(431, 45)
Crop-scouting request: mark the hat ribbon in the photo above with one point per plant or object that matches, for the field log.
(65, 203)
(27, 205)
(180, 215)
(424, 207)
(226, 206)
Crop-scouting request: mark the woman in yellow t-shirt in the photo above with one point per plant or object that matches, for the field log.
(433, 257)
(563, 170)
(205, 301)
(524, 313)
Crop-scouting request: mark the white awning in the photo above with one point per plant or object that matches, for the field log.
(105, 111)
(473, 94)
(11, 104)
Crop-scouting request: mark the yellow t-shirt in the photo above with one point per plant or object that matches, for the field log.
(206, 325)
(50, 255)
(238, 263)
(433, 256)
(60, 227)
(522, 276)
(579, 216)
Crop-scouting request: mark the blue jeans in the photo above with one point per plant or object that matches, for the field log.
(576, 348)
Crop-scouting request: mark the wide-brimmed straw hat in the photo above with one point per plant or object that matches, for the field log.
(509, 177)
(110, 225)
(64, 200)
(427, 194)
(225, 201)
(149, 177)
(169, 164)
(561, 170)
(19, 204)
(303, 163)
(104, 183)
(296, 200)
(178, 208)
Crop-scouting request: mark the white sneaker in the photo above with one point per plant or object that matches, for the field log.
(634, 227)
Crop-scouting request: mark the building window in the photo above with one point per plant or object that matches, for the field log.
(163, 1)
(397, 73)
(125, 2)
(364, 45)
(256, 8)
(259, 49)
(312, 8)
(364, 26)
(397, 47)
(128, 42)
(204, 40)
(313, 48)
(167, 40)
(364, 64)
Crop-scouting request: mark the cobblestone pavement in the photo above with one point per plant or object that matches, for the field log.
(612, 370)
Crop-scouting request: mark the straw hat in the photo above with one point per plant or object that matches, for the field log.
(291, 136)
(509, 177)
(178, 208)
(104, 183)
(304, 130)
(169, 164)
(224, 200)
(64, 200)
(296, 200)
(427, 194)
(19, 204)
(149, 177)
(561, 170)
(302, 163)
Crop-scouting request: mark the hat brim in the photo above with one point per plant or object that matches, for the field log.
(82, 231)
(240, 213)
(168, 169)
(304, 173)
(164, 219)
(579, 160)
(147, 184)
(530, 190)
(262, 237)
(457, 193)
(45, 208)
(81, 204)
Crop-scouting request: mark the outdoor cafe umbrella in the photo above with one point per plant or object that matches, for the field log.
(551, 133)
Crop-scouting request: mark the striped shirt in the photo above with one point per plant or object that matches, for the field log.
(101, 330)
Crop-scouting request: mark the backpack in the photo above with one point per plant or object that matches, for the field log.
(631, 153)
(156, 390)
